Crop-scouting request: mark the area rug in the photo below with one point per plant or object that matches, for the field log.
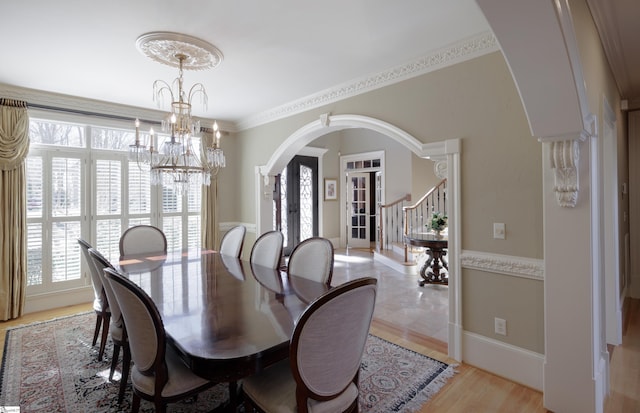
(52, 367)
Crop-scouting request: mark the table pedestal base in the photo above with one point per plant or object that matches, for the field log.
(431, 272)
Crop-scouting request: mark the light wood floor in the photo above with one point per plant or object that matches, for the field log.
(471, 389)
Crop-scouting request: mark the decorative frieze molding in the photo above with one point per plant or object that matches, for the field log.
(474, 47)
(503, 264)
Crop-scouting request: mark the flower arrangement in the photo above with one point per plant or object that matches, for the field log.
(438, 222)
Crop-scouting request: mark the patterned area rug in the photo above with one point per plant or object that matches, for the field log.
(52, 367)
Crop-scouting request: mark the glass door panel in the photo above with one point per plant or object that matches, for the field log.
(358, 192)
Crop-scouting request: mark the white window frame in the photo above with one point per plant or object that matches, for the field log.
(88, 216)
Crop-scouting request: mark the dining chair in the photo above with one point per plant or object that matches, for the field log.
(232, 241)
(312, 259)
(140, 239)
(100, 301)
(116, 327)
(158, 374)
(267, 250)
(325, 353)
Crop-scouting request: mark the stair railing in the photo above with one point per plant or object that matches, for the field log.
(416, 216)
(390, 223)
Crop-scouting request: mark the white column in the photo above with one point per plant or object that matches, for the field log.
(574, 372)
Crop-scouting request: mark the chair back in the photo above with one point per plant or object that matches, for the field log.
(141, 239)
(101, 263)
(312, 259)
(100, 301)
(329, 339)
(267, 250)
(145, 331)
(232, 242)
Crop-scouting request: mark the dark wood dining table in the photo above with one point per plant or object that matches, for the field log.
(226, 318)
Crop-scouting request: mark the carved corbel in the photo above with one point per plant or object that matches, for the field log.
(325, 119)
(565, 156)
(440, 168)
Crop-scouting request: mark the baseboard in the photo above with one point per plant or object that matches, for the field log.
(511, 362)
(48, 301)
(395, 265)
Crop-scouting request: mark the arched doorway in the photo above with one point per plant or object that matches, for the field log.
(448, 151)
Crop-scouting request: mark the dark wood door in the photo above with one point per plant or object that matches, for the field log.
(298, 204)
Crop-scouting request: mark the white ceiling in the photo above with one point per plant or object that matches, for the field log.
(618, 23)
(275, 52)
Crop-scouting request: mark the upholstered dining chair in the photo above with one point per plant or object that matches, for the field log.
(157, 374)
(232, 241)
(312, 259)
(116, 327)
(267, 250)
(100, 301)
(325, 352)
(140, 239)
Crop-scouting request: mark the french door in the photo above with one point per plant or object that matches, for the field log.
(358, 193)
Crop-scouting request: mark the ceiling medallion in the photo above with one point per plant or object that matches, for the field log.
(169, 48)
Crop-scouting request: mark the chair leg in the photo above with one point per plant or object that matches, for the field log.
(233, 395)
(97, 330)
(106, 318)
(114, 360)
(135, 405)
(126, 366)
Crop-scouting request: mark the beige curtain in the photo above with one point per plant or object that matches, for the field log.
(209, 212)
(14, 146)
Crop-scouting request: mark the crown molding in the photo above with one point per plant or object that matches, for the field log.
(503, 264)
(470, 48)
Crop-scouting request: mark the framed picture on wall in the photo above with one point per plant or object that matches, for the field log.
(330, 189)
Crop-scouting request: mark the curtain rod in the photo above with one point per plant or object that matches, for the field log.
(107, 116)
(89, 113)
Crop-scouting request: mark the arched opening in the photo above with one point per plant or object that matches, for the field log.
(448, 151)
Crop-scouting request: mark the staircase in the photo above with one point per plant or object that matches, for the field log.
(398, 218)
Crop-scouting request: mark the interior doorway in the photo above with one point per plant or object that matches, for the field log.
(448, 150)
(297, 193)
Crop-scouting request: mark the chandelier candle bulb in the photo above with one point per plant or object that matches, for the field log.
(152, 139)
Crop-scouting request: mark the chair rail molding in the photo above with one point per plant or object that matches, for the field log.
(503, 264)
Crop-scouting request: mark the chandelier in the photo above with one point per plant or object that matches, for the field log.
(178, 162)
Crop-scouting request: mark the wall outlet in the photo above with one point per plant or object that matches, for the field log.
(500, 326)
(499, 231)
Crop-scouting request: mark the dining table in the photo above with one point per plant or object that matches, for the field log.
(226, 317)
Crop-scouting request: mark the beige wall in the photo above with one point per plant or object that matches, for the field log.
(501, 180)
(516, 300)
(423, 177)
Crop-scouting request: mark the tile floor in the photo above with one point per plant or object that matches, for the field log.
(401, 301)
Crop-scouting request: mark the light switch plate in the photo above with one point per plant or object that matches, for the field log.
(499, 230)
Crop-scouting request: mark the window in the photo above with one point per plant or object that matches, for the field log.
(81, 184)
